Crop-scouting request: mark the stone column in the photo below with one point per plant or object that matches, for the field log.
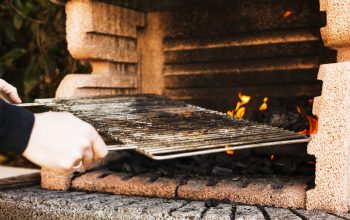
(106, 36)
(331, 144)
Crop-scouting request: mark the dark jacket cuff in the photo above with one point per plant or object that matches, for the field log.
(16, 126)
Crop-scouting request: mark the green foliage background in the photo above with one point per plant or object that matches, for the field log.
(33, 50)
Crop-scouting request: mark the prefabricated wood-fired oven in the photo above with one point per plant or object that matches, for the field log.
(205, 53)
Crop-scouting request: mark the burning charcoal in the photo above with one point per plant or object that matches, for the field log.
(223, 159)
(277, 185)
(212, 182)
(204, 170)
(202, 159)
(236, 178)
(139, 168)
(165, 172)
(153, 176)
(307, 169)
(243, 183)
(264, 166)
(126, 167)
(279, 119)
(221, 171)
(187, 167)
(285, 167)
(115, 165)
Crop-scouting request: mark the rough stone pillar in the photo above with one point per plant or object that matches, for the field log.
(106, 36)
(331, 144)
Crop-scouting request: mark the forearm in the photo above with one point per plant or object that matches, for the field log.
(15, 128)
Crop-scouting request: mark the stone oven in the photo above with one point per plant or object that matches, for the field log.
(205, 52)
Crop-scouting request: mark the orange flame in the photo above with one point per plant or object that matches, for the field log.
(313, 126)
(240, 110)
(230, 152)
(263, 106)
(272, 157)
(312, 121)
(287, 13)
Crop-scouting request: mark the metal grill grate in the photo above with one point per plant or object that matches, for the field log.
(164, 129)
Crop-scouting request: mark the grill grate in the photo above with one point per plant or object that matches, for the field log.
(164, 129)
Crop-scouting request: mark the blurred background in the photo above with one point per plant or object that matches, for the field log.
(33, 50)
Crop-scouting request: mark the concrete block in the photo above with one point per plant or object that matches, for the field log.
(120, 183)
(331, 144)
(258, 191)
(192, 210)
(336, 34)
(248, 213)
(277, 214)
(93, 26)
(51, 180)
(74, 85)
(221, 211)
(317, 215)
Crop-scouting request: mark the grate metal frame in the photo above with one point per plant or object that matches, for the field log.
(164, 129)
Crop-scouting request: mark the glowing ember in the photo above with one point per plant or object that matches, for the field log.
(263, 106)
(230, 152)
(240, 110)
(287, 13)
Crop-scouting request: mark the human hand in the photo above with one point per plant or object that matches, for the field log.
(9, 92)
(60, 141)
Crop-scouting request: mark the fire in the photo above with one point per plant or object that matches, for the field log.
(272, 157)
(230, 152)
(312, 121)
(240, 109)
(263, 106)
(287, 13)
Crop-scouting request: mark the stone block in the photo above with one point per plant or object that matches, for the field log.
(120, 183)
(331, 144)
(221, 211)
(54, 181)
(277, 214)
(192, 210)
(291, 195)
(336, 34)
(74, 85)
(93, 26)
(248, 213)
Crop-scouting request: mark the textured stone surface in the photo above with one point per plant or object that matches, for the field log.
(87, 18)
(225, 211)
(331, 144)
(277, 214)
(51, 180)
(275, 192)
(336, 34)
(317, 215)
(151, 45)
(90, 85)
(106, 36)
(35, 203)
(120, 183)
(192, 210)
(248, 213)
(257, 191)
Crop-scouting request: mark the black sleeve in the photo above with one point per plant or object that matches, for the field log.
(16, 126)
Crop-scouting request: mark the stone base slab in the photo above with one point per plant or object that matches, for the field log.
(35, 203)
